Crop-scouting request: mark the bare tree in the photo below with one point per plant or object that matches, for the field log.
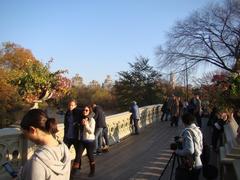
(209, 35)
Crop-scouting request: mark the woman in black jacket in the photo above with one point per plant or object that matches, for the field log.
(218, 129)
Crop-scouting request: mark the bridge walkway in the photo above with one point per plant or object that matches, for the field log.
(137, 157)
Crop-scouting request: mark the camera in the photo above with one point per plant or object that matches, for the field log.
(177, 143)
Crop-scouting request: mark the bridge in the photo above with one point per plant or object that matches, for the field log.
(139, 157)
(142, 156)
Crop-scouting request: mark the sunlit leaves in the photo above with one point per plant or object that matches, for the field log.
(32, 78)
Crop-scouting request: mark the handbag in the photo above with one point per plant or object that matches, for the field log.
(187, 162)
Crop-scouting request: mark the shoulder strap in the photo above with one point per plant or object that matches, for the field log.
(193, 136)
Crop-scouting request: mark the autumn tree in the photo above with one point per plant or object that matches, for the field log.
(85, 95)
(210, 35)
(27, 79)
(140, 83)
(10, 100)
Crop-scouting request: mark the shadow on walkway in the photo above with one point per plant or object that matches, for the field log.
(137, 157)
(140, 156)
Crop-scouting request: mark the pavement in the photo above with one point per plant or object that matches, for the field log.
(139, 157)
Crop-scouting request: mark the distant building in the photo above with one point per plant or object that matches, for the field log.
(172, 80)
(108, 83)
(77, 81)
(94, 84)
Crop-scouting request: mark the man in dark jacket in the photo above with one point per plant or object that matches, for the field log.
(100, 124)
(71, 127)
(69, 124)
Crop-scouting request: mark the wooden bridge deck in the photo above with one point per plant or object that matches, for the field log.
(138, 157)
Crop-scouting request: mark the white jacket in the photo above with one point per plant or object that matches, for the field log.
(88, 130)
(192, 143)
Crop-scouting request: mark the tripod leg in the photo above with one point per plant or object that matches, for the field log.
(166, 166)
(174, 158)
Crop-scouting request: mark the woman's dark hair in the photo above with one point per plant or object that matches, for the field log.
(38, 118)
(51, 124)
(188, 118)
(89, 107)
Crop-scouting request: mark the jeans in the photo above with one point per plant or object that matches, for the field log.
(98, 138)
(105, 136)
(135, 126)
(89, 146)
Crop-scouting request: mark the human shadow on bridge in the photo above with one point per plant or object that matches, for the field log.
(143, 119)
(114, 137)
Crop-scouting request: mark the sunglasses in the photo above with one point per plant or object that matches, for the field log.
(86, 110)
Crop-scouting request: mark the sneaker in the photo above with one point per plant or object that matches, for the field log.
(105, 149)
(99, 153)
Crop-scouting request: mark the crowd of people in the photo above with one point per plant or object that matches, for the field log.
(86, 128)
(173, 108)
(193, 147)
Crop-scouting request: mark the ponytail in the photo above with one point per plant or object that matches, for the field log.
(38, 118)
(51, 126)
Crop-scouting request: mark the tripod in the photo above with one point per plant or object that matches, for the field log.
(173, 156)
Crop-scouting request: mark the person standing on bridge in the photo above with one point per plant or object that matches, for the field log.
(100, 124)
(135, 116)
(218, 130)
(191, 150)
(164, 110)
(71, 119)
(87, 138)
(51, 160)
(174, 111)
(197, 109)
(100, 119)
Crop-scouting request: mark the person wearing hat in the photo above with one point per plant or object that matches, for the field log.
(135, 117)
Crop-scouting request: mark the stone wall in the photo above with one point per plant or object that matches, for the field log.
(16, 149)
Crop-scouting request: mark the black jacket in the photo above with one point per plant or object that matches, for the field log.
(77, 118)
(99, 117)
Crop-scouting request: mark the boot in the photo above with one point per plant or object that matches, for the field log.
(75, 168)
(92, 169)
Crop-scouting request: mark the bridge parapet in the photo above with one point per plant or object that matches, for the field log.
(16, 149)
(230, 152)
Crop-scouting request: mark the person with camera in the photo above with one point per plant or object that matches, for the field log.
(189, 149)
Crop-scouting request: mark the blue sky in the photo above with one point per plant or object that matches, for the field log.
(92, 38)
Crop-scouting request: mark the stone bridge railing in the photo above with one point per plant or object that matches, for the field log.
(230, 153)
(16, 149)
